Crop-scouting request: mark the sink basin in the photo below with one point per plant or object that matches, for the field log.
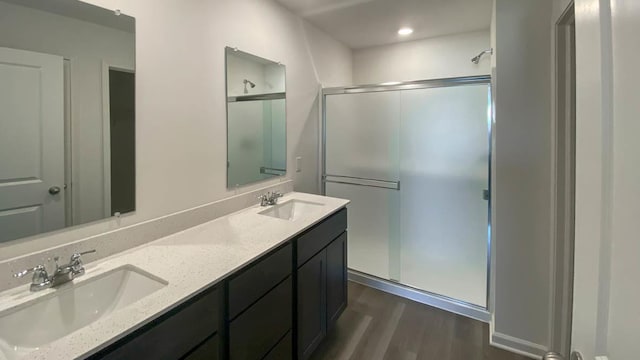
(291, 210)
(41, 321)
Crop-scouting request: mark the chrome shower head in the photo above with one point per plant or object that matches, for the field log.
(476, 60)
(247, 82)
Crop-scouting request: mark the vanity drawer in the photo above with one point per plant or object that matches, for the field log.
(282, 351)
(316, 239)
(258, 279)
(258, 330)
(172, 335)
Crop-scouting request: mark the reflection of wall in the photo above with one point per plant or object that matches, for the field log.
(268, 77)
(278, 134)
(256, 133)
(87, 46)
(434, 58)
(274, 78)
(246, 141)
(238, 69)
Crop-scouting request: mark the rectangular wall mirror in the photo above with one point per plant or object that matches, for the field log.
(256, 118)
(67, 115)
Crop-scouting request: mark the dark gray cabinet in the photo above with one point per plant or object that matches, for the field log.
(336, 279)
(318, 237)
(279, 307)
(209, 350)
(282, 351)
(260, 310)
(255, 280)
(255, 332)
(312, 304)
(321, 281)
(175, 334)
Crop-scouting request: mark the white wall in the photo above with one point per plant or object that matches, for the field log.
(87, 46)
(593, 183)
(180, 114)
(332, 62)
(606, 295)
(441, 57)
(624, 328)
(522, 202)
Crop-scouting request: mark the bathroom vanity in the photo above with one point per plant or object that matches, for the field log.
(292, 295)
(261, 283)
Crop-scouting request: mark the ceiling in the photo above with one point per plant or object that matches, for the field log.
(364, 23)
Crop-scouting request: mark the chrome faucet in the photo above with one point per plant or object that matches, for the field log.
(270, 198)
(40, 280)
(62, 275)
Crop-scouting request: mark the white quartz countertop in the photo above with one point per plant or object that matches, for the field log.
(190, 261)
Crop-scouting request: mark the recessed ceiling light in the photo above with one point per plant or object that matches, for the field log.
(405, 31)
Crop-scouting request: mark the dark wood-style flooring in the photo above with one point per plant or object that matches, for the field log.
(380, 326)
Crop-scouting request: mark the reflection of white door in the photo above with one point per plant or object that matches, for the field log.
(31, 143)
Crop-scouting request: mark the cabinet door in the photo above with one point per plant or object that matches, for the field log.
(336, 279)
(312, 290)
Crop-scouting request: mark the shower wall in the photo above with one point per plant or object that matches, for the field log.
(433, 58)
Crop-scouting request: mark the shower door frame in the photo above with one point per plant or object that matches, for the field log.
(420, 295)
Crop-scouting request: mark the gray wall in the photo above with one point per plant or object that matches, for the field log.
(522, 226)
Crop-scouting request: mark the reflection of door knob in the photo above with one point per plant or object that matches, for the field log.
(54, 190)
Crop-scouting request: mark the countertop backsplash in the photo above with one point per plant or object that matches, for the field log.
(116, 241)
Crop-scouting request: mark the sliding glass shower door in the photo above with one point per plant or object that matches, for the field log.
(414, 161)
(363, 165)
(445, 178)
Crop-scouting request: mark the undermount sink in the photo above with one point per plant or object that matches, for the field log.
(292, 209)
(43, 320)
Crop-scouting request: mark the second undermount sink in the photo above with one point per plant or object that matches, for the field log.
(43, 320)
(292, 209)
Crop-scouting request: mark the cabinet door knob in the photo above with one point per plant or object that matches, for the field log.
(54, 190)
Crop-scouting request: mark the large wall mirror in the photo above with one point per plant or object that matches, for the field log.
(67, 115)
(256, 118)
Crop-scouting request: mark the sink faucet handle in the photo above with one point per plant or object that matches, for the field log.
(86, 252)
(273, 197)
(76, 264)
(264, 199)
(40, 280)
(36, 270)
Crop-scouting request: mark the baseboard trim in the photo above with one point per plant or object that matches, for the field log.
(515, 345)
(440, 302)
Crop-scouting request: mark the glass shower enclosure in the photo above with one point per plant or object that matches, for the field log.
(414, 159)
